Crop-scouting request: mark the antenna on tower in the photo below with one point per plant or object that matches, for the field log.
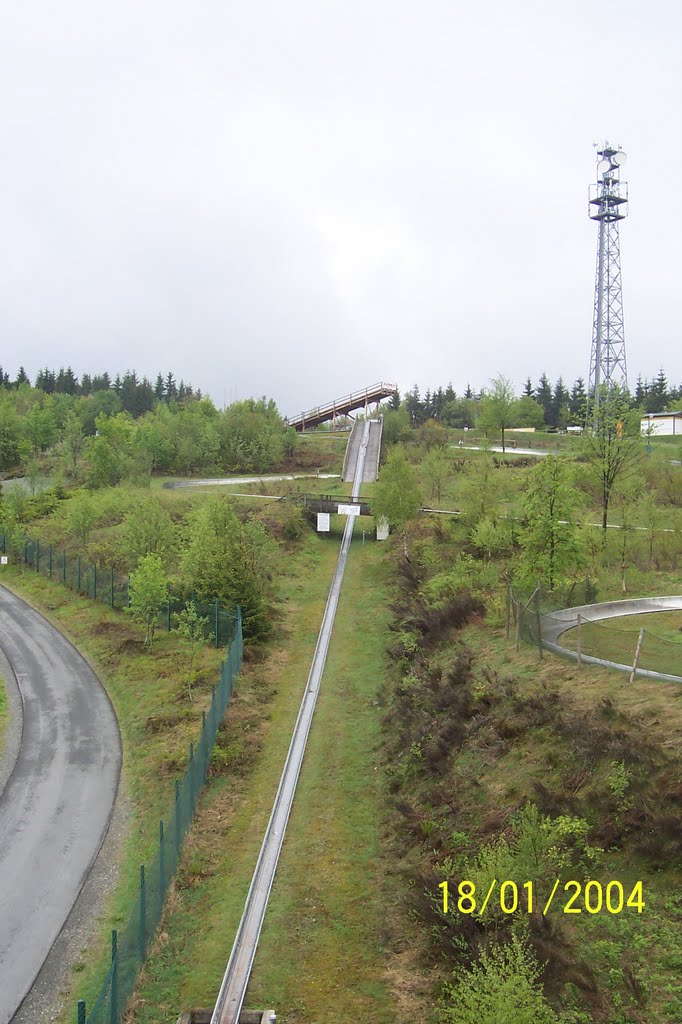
(608, 204)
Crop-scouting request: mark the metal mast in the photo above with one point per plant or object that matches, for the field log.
(608, 204)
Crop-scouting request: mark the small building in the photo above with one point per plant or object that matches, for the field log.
(662, 423)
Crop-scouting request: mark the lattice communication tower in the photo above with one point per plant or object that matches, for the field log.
(608, 204)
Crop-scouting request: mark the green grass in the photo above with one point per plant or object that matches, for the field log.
(616, 640)
(321, 953)
(156, 720)
(157, 724)
(187, 963)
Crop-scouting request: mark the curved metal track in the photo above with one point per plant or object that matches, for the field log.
(233, 989)
(554, 624)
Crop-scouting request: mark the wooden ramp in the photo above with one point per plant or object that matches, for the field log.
(343, 406)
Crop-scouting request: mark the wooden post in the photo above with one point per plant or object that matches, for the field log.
(638, 650)
(580, 641)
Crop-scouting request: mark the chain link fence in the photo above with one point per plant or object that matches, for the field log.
(129, 946)
(102, 584)
(565, 625)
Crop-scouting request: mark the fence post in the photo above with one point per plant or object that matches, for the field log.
(94, 582)
(49, 561)
(81, 1011)
(26, 553)
(143, 915)
(112, 588)
(114, 977)
(507, 613)
(537, 621)
(519, 613)
(638, 650)
(64, 570)
(204, 743)
(162, 871)
(217, 639)
(191, 778)
(37, 556)
(580, 641)
(177, 817)
(78, 573)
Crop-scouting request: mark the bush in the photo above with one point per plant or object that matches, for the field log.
(503, 986)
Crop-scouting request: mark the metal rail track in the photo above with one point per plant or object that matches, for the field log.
(235, 980)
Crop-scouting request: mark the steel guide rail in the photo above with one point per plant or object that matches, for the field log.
(235, 980)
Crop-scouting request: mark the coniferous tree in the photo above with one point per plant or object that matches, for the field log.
(576, 403)
(559, 407)
(159, 388)
(413, 405)
(657, 396)
(22, 378)
(86, 384)
(543, 395)
(170, 388)
(128, 392)
(66, 382)
(640, 390)
(528, 389)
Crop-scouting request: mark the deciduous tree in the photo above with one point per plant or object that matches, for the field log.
(612, 447)
(148, 594)
(551, 547)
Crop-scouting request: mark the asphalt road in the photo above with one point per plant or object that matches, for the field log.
(57, 803)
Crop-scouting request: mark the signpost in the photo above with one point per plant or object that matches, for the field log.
(323, 522)
(349, 510)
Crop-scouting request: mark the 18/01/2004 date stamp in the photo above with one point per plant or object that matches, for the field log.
(569, 897)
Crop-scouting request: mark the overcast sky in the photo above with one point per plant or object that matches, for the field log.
(300, 198)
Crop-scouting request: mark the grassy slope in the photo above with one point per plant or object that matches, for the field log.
(321, 953)
(650, 716)
(157, 723)
(616, 640)
(187, 963)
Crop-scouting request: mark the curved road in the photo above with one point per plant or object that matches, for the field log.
(57, 803)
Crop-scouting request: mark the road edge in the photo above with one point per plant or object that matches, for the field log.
(45, 1001)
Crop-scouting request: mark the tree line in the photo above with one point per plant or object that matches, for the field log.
(104, 437)
(135, 396)
(547, 404)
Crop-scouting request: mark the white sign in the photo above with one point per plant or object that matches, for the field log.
(3, 560)
(349, 510)
(382, 529)
(323, 522)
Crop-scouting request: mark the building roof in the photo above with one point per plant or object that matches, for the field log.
(653, 415)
